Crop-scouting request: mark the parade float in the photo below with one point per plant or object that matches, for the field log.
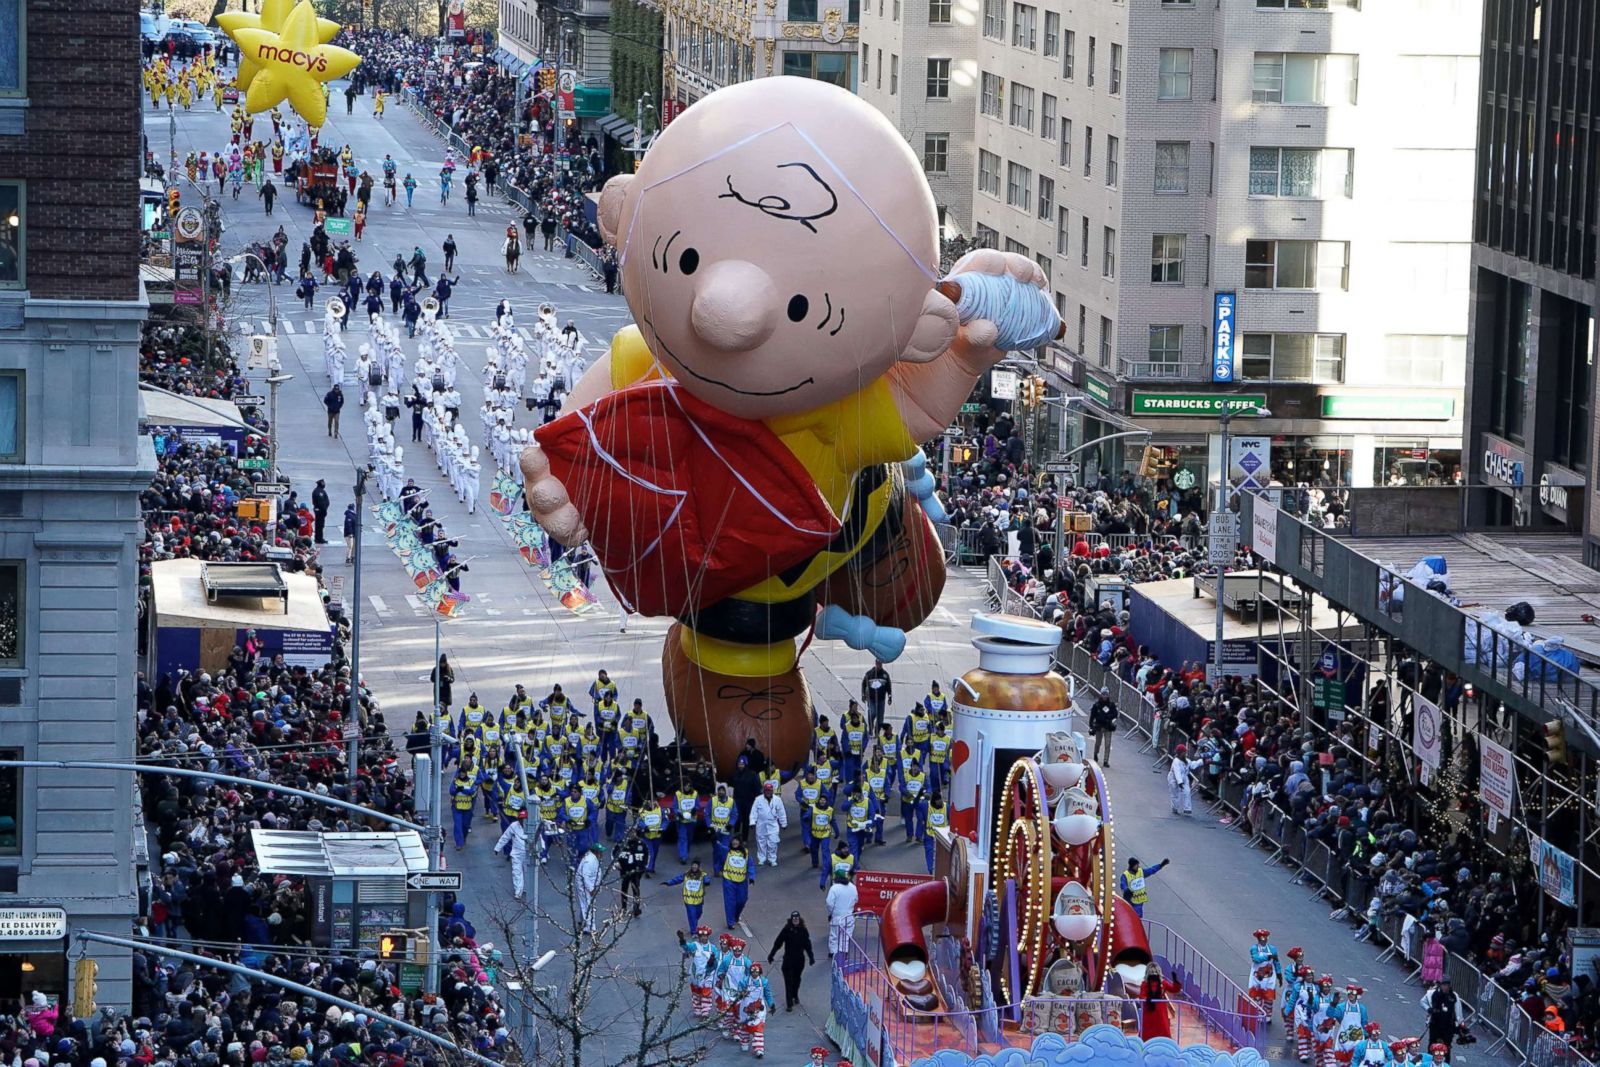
(1020, 939)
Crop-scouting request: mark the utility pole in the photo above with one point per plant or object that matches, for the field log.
(1218, 518)
(352, 726)
(436, 739)
(274, 379)
(640, 107)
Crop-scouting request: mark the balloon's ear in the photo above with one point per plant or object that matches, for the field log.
(935, 330)
(610, 212)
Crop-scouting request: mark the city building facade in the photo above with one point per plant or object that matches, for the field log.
(519, 30)
(1532, 345)
(577, 34)
(1173, 166)
(72, 466)
(918, 65)
(708, 44)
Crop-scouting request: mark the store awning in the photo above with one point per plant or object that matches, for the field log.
(616, 126)
(164, 409)
(591, 101)
(509, 63)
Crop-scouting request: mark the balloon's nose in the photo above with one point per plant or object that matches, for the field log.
(735, 306)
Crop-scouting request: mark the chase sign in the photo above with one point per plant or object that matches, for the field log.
(1503, 462)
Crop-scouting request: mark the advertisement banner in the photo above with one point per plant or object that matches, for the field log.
(1250, 460)
(875, 889)
(1558, 874)
(1497, 779)
(1264, 530)
(1427, 735)
(1224, 323)
(457, 19)
(566, 87)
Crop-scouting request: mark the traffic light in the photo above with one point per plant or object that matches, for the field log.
(1555, 743)
(172, 201)
(394, 946)
(1033, 391)
(84, 987)
(1149, 461)
(547, 79)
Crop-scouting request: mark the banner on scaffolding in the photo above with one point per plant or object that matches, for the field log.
(1427, 736)
(1497, 780)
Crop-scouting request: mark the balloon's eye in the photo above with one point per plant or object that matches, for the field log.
(798, 306)
(689, 261)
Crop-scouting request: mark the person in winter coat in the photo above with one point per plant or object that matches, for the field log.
(319, 508)
(768, 816)
(795, 941)
(333, 401)
(1103, 725)
(445, 676)
(351, 526)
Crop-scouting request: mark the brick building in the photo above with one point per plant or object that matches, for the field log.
(1309, 162)
(71, 467)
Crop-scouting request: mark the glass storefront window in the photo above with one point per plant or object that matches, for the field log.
(1322, 460)
(1400, 461)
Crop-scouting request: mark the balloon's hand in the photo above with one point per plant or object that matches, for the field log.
(976, 341)
(548, 499)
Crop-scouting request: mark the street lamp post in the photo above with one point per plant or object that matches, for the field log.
(642, 105)
(1223, 472)
(352, 726)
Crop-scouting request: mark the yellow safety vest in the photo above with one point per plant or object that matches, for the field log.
(650, 818)
(878, 779)
(609, 714)
(465, 798)
(577, 814)
(694, 890)
(809, 792)
(935, 704)
(774, 777)
(735, 867)
(687, 805)
(919, 728)
(1137, 893)
(721, 814)
(617, 799)
(939, 747)
(821, 820)
(823, 737)
(855, 738)
(841, 861)
(860, 815)
(825, 773)
(913, 786)
(512, 803)
(590, 791)
(890, 747)
(549, 802)
(938, 818)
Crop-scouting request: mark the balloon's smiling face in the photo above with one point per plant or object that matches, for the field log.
(770, 261)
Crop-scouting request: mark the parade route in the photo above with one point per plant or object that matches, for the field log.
(515, 631)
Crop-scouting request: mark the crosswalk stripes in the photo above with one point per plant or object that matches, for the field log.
(312, 324)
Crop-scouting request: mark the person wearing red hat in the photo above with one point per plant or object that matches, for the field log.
(703, 961)
(1179, 778)
(1350, 1022)
(1371, 1051)
(1264, 966)
(819, 1056)
(751, 1012)
(1324, 1020)
(1438, 1055)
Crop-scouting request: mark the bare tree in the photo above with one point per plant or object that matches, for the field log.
(596, 1004)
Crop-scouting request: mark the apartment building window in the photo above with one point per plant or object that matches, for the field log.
(1083, 328)
(1061, 305)
(895, 10)
(1083, 241)
(1088, 150)
(1063, 231)
(1107, 341)
(1172, 168)
(994, 19)
(938, 79)
(806, 10)
(939, 12)
(1176, 78)
(1308, 5)
(1019, 186)
(878, 70)
(1022, 106)
(11, 803)
(987, 236)
(988, 173)
(1177, 3)
(13, 230)
(1113, 160)
(1069, 54)
(1116, 69)
(1047, 197)
(12, 620)
(1108, 253)
(991, 91)
(1293, 357)
(1301, 173)
(935, 153)
(1024, 26)
(1044, 265)
(1166, 258)
(1166, 345)
(1297, 265)
(1047, 117)
(864, 65)
(894, 75)
(1052, 33)
(1016, 247)
(1304, 78)
(1424, 359)
(1066, 143)
(1090, 73)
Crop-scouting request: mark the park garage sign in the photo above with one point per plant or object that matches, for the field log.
(1198, 405)
(33, 924)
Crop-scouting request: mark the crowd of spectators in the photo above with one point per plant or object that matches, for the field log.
(258, 718)
(1409, 851)
(477, 100)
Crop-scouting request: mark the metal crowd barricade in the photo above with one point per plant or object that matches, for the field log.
(1315, 866)
(1223, 1006)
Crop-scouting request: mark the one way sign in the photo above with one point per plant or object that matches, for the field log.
(433, 881)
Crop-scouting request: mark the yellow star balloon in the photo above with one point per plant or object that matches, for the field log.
(292, 64)
(270, 17)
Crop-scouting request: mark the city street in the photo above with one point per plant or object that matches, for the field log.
(515, 631)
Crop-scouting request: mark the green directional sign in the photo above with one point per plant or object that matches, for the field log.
(254, 463)
(337, 227)
(971, 409)
(1328, 694)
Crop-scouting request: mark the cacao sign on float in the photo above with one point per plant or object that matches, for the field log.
(875, 889)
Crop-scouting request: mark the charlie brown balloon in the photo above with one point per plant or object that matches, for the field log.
(746, 458)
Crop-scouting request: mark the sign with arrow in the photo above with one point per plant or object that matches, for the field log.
(268, 489)
(433, 881)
